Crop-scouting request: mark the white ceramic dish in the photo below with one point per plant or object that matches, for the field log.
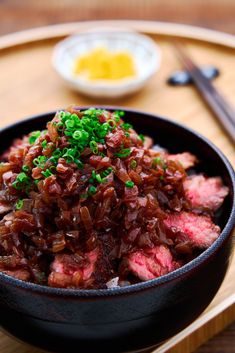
(146, 55)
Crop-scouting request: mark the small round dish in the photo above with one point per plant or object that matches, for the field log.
(146, 56)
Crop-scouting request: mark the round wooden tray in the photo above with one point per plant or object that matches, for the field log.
(29, 86)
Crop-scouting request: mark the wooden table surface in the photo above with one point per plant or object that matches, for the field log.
(17, 15)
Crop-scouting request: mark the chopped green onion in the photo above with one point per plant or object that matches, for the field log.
(111, 123)
(69, 159)
(68, 133)
(129, 184)
(22, 182)
(141, 136)
(19, 204)
(61, 114)
(53, 160)
(92, 190)
(40, 161)
(94, 147)
(78, 163)
(22, 177)
(126, 126)
(77, 135)
(44, 143)
(157, 160)
(60, 126)
(98, 178)
(125, 152)
(52, 169)
(33, 136)
(69, 123)
(93, 113)
(57, 153)
(106, 172)
(47, 173)
(133, 164)
(118, 114)
(25, 168)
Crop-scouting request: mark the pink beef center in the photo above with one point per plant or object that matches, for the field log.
(205, 192)
(156, 263)
(199, 230)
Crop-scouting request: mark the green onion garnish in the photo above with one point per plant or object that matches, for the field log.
(125, 152)
(53, 160)
(33, 136)
(92, 190)
(78, 163)
(111, 123)
(40, 161)
(133, 164)
(157, 160)
(60, 126)
(129, 184)
(94, 147)
(141, 136)
(19, 204)
(25, 168)
(57, 153)
(118, 114)
(22, 182)
(106, 172)
(47, 173)
(126, 126)
(44, 143)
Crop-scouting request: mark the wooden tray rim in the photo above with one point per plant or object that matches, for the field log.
(203, 319)
(148, 27)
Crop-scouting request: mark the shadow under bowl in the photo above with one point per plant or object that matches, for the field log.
(130, 318)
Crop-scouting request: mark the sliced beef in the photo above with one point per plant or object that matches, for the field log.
(22, 274)
(15, 266)
(186, 159)
(205, 192)
(150, 263)
(91, 270)
(72, 270)
(187, 226)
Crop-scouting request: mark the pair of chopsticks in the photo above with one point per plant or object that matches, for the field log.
(219, 106)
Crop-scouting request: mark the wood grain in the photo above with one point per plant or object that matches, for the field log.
(221, 343)
(18, 15)
(30, 86)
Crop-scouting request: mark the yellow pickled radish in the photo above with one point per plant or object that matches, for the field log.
(102, 64)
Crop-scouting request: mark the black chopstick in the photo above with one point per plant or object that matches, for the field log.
(222, 110)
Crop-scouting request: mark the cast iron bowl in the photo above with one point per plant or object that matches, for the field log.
(135, 317)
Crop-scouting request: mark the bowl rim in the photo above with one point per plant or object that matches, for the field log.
(80, 83)
(141, 286)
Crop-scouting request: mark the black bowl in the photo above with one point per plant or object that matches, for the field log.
(130, 318)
